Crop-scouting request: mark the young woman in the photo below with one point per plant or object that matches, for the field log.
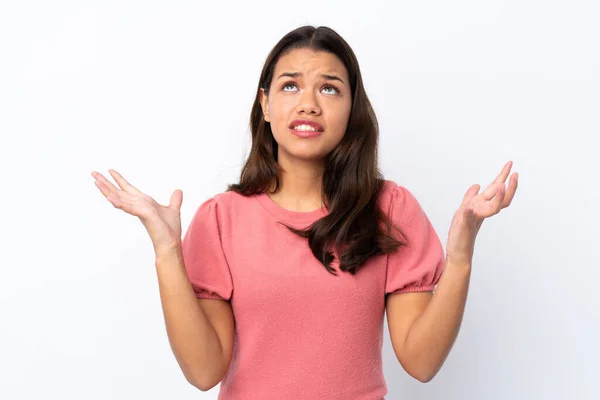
(279, 287)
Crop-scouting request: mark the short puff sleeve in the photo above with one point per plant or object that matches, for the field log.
(203, 255)
(416, 267)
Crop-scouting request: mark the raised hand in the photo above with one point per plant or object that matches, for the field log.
(163, 223)
(474, 209)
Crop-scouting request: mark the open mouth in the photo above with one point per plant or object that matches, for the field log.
(306, 128)
(303, 131)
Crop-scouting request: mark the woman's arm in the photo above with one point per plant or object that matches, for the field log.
(423, 326)
(202, 347)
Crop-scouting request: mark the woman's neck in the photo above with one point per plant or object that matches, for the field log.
(299, 189)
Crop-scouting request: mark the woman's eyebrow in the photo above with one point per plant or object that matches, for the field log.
(297, 74)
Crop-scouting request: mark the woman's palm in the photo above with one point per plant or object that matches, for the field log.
(163, 223)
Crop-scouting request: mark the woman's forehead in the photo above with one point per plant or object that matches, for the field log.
(309, 62)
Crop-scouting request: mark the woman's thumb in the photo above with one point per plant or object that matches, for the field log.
(176, 199)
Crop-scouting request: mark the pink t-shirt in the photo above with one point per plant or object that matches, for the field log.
(301, 332)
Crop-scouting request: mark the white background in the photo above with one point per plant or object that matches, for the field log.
(162, 92)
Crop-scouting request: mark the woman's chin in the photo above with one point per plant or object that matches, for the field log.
(303, 154)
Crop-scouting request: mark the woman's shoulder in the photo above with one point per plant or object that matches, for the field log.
(227, 199)
(223, 207)
(389, 190)
(388, 186)
(394, 195)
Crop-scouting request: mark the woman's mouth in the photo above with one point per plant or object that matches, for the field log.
(305, 131)
(306, 128)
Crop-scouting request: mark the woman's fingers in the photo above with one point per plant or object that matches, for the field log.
(500, 195)
(470, 194)
(118, 198)
(492, 189)
(103, 189)
(504, 173)
(512, 188)
(123, 184)
(107, 184)
(111, 195)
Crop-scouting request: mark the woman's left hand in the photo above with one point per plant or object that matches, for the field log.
(473, 210)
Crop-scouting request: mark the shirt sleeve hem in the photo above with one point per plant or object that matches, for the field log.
(413, 289)
(203, 294)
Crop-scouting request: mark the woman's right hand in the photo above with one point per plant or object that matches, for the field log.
(163, 223)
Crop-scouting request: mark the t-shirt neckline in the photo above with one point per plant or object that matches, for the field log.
(290, 216)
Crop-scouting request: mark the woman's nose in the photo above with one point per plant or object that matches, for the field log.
(308, 103)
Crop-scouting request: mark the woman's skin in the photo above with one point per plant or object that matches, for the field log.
(423, 325)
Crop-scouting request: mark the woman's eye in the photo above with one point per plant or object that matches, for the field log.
(288, 84)
(331, 87)
(291, 84)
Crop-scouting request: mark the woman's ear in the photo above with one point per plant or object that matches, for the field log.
(264, 102)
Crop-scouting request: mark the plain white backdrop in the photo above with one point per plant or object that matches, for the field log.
(162, 92)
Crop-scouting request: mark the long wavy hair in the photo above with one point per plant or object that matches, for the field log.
(354, 226)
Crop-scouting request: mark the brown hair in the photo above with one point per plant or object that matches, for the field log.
(352, 181)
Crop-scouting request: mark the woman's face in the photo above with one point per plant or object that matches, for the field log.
(311, 86)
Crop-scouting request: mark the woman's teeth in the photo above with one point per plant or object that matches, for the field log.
(305, 128)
